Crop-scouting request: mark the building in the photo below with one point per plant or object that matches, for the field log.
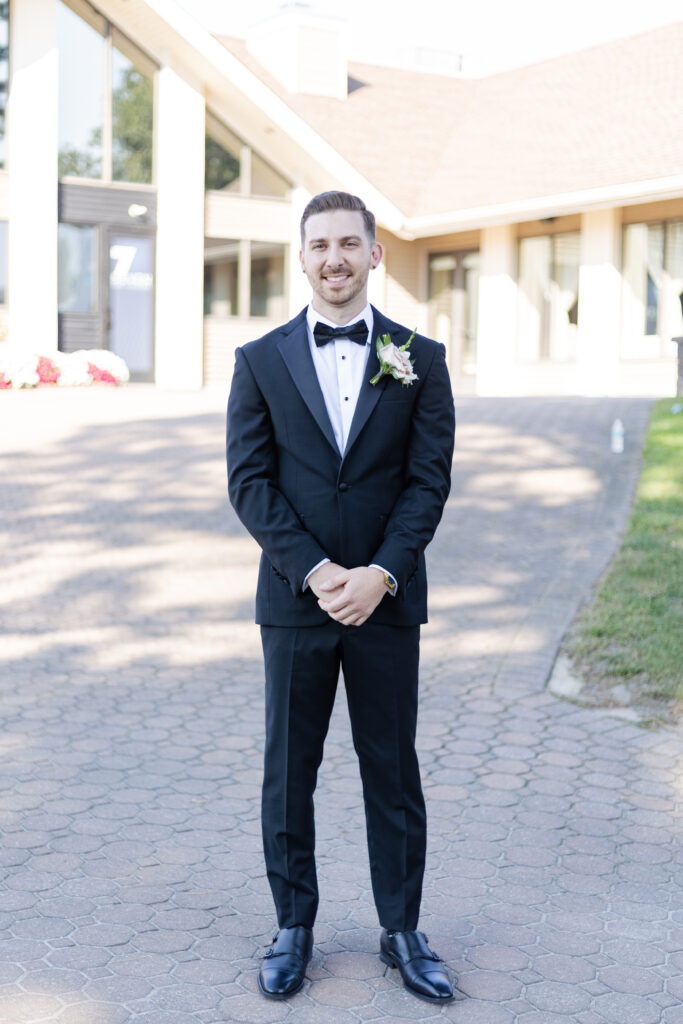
(153, 178)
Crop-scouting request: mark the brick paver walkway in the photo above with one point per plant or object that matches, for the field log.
(131, 884)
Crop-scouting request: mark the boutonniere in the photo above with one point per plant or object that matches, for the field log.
(395, 361)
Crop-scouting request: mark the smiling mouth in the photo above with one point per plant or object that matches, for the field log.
(337, 277)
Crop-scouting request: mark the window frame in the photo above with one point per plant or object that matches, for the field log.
(114, 39)
(636, 345)
(547, 341)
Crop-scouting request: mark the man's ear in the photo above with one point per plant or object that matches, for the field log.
(301, 260)
(376, 254)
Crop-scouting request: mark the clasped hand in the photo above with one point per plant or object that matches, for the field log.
(349, 596)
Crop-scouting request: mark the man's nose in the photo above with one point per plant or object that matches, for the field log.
(335, 256)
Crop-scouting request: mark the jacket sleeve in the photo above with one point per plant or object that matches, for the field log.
(417, 512)
(252, 482)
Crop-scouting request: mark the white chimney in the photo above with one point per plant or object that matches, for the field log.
(306, 52)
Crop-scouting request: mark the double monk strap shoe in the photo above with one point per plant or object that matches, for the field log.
(284, 965)
(424, 972)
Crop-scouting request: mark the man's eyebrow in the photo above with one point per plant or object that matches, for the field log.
(345, 238)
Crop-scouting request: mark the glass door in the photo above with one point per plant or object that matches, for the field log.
(453, 306)
(131, 302)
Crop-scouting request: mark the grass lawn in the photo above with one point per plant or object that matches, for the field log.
(632, 633)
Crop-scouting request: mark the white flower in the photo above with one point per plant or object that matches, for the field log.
(395, 361)
(73, 368)
(398, 361)
(20, 368)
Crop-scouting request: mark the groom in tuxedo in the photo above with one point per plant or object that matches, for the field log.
(339, 466)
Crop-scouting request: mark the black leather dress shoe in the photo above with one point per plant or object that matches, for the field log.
(423, 972)
(284, 965)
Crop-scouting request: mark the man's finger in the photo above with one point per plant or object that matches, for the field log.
(335, 604)
(335, 581)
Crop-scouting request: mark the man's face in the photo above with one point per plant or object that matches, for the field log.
(337, 257)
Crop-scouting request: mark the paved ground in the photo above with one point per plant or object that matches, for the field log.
(131, 886)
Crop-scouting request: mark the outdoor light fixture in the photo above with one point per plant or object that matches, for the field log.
(136, 210)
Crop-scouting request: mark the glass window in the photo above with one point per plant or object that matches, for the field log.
(265, 181)
(82, 56)
(652, 288)
(454, 307)
(231, 166)
(268, 281)
(4, 76)
(673, 270)
(441, 270)
(470, 263)
(77, 269)
(548, 297)
(221, 262)
(132, 109)
(106, 101)
(3, 262)
(222, 158)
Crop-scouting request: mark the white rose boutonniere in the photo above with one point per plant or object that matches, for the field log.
(394, 361)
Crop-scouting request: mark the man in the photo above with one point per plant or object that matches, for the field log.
(340, 470)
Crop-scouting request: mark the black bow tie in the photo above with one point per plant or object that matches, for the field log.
(357, 332)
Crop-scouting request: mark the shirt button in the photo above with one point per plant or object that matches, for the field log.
(346, 398)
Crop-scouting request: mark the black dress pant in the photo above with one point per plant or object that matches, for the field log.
(380, 668)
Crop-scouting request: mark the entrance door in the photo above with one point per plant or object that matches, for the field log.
(453, 307)
(131, 302)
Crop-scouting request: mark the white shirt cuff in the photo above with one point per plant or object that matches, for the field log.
(393, 590)
(324, 561)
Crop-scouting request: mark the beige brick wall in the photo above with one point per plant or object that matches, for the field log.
(401, 285)
(222, 335)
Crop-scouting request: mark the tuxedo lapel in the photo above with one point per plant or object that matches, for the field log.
(369, 394)
(297, 356)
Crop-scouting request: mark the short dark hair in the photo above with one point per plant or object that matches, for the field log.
(338, 201)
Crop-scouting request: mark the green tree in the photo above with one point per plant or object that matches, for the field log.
(132, 128)
(221, 167)
(82, 163)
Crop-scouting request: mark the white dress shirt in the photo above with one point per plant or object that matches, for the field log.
(340, 367)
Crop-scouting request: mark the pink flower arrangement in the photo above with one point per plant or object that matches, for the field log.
(19, 369)
(101, 376)
(47, 372)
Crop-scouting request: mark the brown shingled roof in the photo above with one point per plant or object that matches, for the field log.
(608, 115)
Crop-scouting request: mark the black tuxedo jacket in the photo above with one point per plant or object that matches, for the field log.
(303, 502)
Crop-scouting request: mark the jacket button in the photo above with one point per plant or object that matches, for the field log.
(343, 487)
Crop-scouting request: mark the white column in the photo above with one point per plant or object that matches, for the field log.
(179, 313)
(32, 144)
(244, 278)
(497, 312)
(299, 288)
(597, 360)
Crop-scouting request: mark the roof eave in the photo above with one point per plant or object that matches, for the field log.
(539, 208)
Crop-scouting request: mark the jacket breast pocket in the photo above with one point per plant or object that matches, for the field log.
(399, 395)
